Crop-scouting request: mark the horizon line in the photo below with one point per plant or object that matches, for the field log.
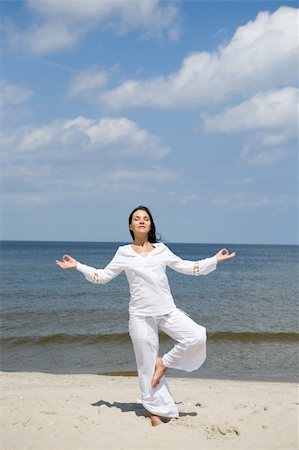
(126, 242)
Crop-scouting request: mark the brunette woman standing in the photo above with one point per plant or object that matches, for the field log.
(152, 308)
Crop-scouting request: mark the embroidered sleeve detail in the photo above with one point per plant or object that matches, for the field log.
(95, 277)
(196, 269)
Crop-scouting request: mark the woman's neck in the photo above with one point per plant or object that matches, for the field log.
(140, 242)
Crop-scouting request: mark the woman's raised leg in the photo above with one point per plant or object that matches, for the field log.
(189, 353)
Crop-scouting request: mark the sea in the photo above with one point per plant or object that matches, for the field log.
(54, 321)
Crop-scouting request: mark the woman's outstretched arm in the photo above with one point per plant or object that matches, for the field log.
(199, 267)
(96, 276)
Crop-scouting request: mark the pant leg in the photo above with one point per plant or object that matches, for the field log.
(144, 334)
(190, 351)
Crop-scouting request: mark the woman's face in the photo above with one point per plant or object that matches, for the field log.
(141, 223)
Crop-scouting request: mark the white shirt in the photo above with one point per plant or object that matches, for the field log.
(149, 288)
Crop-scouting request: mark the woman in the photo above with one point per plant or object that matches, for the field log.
(152, 308)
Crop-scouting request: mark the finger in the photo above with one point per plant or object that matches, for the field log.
(224, 251)
(232, 255)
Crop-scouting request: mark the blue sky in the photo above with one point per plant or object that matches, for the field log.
(187, 107)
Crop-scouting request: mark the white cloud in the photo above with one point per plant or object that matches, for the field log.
(144, 175)
(122, 16)
(80, 156)
(87, 81)
(184, 198)
(23, 198)
(261, 54)
(41, 39)
(61, 24)
(48, 38)
(260, 152)
(119, 136)
(269, 121)
(35, 140)
(248, 201)
(268, 110)
(12, 95)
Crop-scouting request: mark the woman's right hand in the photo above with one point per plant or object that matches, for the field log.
(67, 262)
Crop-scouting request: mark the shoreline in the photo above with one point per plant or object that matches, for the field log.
(75, 411)
(171, 375)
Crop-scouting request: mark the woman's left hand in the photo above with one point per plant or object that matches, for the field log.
(224, 255)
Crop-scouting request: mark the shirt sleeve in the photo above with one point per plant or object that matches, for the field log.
(200, 267)
(102, 276)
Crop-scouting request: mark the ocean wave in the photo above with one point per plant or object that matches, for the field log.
(253, 336)
(62, 338)
(83, 339)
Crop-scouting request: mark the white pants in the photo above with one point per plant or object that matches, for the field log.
(188, 354)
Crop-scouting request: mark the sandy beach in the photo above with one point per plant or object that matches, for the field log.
(61, 412)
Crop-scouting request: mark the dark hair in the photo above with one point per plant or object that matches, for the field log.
(152, 238)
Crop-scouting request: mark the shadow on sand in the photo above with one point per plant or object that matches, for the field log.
(137, 408)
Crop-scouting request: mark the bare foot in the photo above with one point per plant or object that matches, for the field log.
(155, 420)
(159, 372)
